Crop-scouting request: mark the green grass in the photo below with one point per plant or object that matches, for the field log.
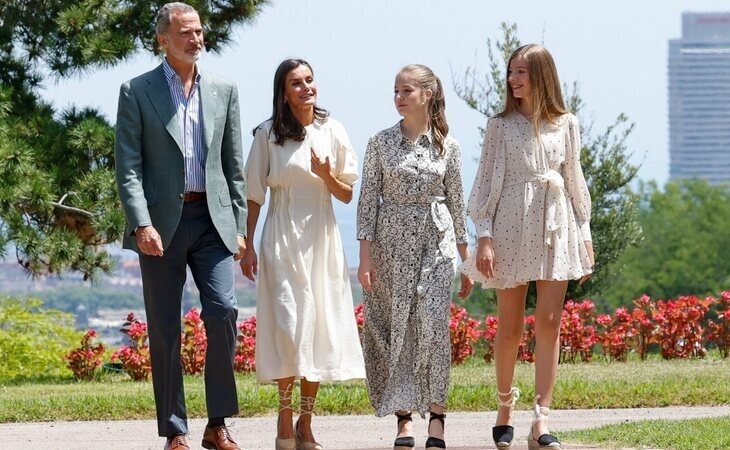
(595, 385)
(695, 434)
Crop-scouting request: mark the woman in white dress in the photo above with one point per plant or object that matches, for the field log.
(305, 318)
(531, 207)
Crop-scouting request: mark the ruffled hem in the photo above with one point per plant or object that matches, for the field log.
(469, 269)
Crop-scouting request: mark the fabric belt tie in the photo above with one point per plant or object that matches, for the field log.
(556, 212)
(438, 209)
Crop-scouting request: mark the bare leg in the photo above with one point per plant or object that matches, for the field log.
(550, 297)
(304, 423)
(511, 312)
(285, 428)
(435, 427)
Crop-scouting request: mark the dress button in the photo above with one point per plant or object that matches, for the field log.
(182, 195)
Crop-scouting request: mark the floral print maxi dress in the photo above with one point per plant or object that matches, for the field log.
(412, 209)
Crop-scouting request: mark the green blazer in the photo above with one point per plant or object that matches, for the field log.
(150, 169)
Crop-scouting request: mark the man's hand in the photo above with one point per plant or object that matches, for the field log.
(148, 240)
(241, 248)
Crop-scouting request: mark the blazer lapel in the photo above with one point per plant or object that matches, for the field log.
(210, 102)
(159, 94)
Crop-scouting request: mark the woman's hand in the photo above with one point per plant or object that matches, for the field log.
(320, 168)
(589, 249)
(250, 263)
(466, 285)
(485, 257)
(366, 272)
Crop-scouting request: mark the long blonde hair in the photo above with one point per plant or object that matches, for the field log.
(547, 97)
(426, 79)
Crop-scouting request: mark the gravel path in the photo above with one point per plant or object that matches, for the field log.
(464, 430)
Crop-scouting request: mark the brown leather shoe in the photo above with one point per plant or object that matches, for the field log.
(218, 438)
(177, 443)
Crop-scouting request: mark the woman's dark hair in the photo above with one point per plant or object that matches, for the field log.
(285, 125)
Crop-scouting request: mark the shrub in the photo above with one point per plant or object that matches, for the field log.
(489, 334)
(135, 358)
(33, 341)
(577, 331)
(464, 333)
(194, 343)
(681, 327)
(526, 351)
(616, 334)
(646, 318)
(360, 318)
(718, 332)
(245, 359)
(84, 360)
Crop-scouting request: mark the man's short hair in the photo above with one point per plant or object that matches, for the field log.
(164, 15)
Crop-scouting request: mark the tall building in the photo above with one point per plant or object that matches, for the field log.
(699, 98)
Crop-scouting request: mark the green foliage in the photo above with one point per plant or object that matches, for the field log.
(604, 158)
(633, 384)
(685, 245)
(58, 200)
(33, 341)
(695, 434)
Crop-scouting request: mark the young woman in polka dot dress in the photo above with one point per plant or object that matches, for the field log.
(531, 207)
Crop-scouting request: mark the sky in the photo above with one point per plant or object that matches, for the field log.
(616, 50)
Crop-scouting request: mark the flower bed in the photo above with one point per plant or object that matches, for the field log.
(678, 328)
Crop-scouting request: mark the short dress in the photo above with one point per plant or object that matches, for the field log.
(531, 198)
(305, 314)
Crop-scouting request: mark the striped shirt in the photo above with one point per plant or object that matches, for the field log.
(190, 119)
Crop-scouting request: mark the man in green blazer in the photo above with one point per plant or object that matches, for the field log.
(179, 168)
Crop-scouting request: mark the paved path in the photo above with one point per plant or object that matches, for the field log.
(465, 431)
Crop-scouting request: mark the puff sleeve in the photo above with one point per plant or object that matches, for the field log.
(257, 166)
(487, 188)
(575, 183)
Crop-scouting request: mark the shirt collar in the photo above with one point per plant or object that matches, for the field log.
(171, 75)
(424, 140)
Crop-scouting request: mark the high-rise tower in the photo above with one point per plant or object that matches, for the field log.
(699, 98)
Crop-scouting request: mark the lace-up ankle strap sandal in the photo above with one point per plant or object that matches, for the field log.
(405, 442)
(433, 443)
(306, 409)
(544, 441)
(284, 405)
(504, 435)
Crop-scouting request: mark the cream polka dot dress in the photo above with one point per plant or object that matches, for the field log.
(531, 198)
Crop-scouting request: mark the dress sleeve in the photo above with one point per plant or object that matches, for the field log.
(455, 194)
(487, 188)
(345, 157)
(370, 192)
(257, 166)
(575, 183)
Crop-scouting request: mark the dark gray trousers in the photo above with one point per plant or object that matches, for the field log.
(196, 244)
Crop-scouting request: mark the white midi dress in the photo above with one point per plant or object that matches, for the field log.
(531, 198)
(305, 316)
